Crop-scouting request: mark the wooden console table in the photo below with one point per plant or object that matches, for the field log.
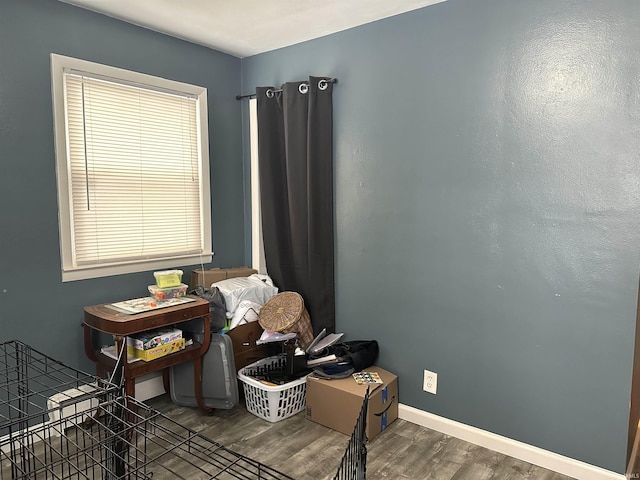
(105, 318)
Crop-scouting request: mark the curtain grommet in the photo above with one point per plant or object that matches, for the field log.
(269, 93)
(303, 88)
(323, 84)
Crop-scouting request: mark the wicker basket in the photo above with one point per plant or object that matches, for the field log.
(286, 313)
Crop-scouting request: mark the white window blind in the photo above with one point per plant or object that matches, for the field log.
(135, 186)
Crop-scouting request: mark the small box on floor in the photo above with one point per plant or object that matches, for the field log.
(336, 403)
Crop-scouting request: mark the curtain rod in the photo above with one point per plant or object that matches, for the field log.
(249, 95)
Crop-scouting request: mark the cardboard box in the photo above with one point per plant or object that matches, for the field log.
(157, 352)
(239, 272)
(206, 277)
(154, 338)
(336, 403)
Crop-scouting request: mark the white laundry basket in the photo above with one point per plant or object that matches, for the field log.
(272, 402)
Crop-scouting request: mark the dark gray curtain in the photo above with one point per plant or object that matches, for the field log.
(295, 148)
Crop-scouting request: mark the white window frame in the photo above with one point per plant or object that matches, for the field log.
(257, 245)
(59, 66)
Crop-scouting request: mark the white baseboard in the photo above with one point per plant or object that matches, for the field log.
(513, 448)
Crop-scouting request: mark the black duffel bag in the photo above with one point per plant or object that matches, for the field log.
(361, 353)
(217, 305)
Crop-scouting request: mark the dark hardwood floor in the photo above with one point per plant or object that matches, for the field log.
(308, 451)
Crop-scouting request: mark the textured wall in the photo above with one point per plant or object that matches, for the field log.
(35, 306)
(488, 209)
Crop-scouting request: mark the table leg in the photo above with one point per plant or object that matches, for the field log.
(197, 365)
(165, 381)
(88, 344)
(197, 376)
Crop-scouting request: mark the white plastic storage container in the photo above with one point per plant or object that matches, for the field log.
(168, 278)
(273, 403)
(168, 292)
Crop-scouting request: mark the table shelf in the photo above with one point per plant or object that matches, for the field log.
(140, 367)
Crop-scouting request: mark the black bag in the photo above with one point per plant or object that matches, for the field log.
(361, 353)
(217, 306)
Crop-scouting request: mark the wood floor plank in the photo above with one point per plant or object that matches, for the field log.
(512, 469)
(480, 467)
(411, 457)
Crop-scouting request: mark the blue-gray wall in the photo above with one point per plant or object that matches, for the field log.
(488, 208)
(487, 198)
(35, 306)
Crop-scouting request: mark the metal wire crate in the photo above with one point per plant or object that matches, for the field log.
(59, 423)
(34, 387)
(354, 461)
(39, 399)
(129, 440)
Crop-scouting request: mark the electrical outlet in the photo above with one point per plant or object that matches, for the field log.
(430, 382)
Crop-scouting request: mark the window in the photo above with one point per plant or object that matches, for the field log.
(132, 169)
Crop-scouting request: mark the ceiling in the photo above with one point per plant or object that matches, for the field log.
(247, 27)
